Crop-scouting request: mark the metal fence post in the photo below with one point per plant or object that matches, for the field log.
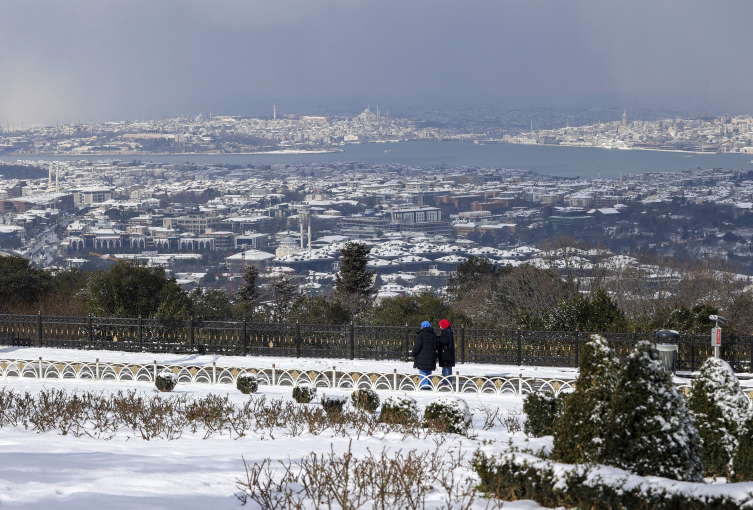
(91, 333)
(245, 344)
(407, 343)
(577, 346)
(520, 347)
(190, 322)
(692, 352)
(141, 335)
(39, 326)
(297, 340)
(462, 344)
(352, 341)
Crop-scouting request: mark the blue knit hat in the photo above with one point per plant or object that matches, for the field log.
(425, 324)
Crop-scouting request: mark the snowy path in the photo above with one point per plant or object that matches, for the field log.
(475, 369)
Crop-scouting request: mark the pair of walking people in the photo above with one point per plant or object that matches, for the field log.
(430, 348)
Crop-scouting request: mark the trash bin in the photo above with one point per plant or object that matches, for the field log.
(667, 351)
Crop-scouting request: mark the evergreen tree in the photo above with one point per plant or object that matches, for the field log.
(318, 310)
(604, 314)
(412, 310)
(210, 304)
(651, 431)
(469, 275)
(131, 289)
(21, 282)
(354, 283)
(742, 461)
(248, 292)
(580, 431)
(719, 407)
(282, 293)
(689, 320)
(599, 313)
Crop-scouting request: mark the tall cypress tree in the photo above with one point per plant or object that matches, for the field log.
(580, 431)
(354, 281)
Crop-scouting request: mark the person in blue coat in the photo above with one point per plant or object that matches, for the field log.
(425, 353)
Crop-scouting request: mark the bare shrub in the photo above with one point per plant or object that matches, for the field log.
(167, 417)
(385, 481)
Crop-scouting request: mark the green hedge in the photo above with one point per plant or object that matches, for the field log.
(517, 476)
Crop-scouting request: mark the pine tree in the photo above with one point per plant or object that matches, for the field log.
(719, 407)
(354, 283)
(651, 431)
(580, 430)
(282, 293)
(248, 292)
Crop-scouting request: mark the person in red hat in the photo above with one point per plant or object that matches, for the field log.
(446, 350)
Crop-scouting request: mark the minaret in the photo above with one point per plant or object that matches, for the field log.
(309, 233)
(620, 178)
(274, 111)
(300, 221)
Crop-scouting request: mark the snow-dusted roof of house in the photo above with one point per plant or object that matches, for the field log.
(452, 259)
(251, 255)
(412, 258)
(381, 263)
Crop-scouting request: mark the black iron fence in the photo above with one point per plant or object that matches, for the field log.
(349, 341)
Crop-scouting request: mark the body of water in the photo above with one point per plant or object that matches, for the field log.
(553, 160)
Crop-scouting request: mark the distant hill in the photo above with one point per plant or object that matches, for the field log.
(11, 171)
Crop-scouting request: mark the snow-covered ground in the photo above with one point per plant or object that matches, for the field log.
(48, 470)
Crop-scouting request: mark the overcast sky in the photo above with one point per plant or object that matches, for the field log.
(113, 60)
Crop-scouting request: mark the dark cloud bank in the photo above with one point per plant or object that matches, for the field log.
(107, 60)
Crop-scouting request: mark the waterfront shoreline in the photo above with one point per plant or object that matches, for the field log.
(543, 159)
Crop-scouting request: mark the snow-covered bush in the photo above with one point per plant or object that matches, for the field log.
(651, 431)
(333, 404)
(451, 414)
(166, 381)
(719, 407)
(742, 461)
(398, 409)
(247, 383)
(541, 410)
(366, 400)
(519, 476)
(304, 393)
(580, 429)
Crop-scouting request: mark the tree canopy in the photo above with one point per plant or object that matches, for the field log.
(21, 282)
(131, 289)
(353, 277)
(412, 310)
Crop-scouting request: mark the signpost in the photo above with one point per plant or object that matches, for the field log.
(716, 333)
(716, 340)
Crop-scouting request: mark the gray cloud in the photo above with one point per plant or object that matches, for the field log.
(102, 60)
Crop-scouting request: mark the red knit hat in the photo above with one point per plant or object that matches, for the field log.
(444, 324)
